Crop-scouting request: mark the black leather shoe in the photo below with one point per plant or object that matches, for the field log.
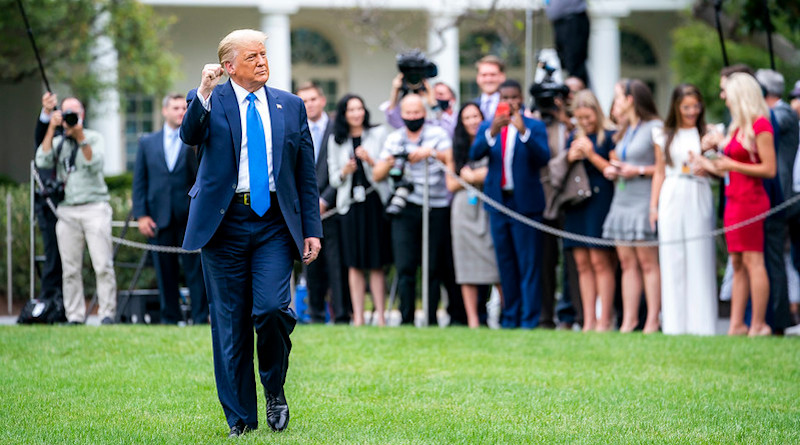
(239, 430)
(277, 411)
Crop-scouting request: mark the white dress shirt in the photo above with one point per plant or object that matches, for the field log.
(508, 159)
(318, 132)
(243, 184)
(172, 146)
(488, 105)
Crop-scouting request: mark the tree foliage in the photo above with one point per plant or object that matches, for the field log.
(697, 57)
(65, 33)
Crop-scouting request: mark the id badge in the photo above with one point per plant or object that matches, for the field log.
(359, 193)
(621, 184)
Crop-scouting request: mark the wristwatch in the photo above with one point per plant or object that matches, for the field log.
(641, 171)
(83, 143)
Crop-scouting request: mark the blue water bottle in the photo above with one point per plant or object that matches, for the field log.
(300, 303)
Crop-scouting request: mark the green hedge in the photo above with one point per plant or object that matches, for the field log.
(20, 244)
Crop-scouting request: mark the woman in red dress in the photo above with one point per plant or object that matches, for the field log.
(749, 157)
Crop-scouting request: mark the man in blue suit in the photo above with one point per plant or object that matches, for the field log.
(254, 209)
(517, 149)
(165, 171)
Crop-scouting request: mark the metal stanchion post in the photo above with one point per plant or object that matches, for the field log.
(425, 245)
(32, 219)
(8, 252)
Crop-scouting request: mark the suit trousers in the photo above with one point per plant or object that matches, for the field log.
(247, 266)
(328, 272)
(88, 224)
(775, 233)
(519, 259)
(51, 269)
(572, 44)
(167, 273)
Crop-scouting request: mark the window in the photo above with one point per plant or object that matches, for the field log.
(139, 120)
(635, 50)
(314, 59)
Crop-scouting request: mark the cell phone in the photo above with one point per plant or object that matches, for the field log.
(502, 109)
(711, 154)
(615, 164)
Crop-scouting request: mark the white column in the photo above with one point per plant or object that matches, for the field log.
(443, 47)
(277, 26)
(604, 57)
(104, 113)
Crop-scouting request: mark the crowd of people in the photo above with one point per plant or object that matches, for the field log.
(629, 177)
(626, 176)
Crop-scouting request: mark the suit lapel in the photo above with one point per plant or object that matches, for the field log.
(231, 107)
(161, 157)
(277, 124)
(181, 157)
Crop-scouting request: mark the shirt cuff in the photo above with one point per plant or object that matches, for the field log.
(489, 138)
(206, 103)
(524, 138)
(44, 117)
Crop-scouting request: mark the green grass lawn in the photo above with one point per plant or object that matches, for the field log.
(152, 385)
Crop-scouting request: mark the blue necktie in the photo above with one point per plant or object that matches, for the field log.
(257, 159)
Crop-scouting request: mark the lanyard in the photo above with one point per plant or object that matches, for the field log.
(626, 142)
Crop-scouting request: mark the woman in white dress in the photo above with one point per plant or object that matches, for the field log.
(683, 207)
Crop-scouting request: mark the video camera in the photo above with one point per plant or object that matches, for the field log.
(545, 92)
(402, 186)
(415, 67)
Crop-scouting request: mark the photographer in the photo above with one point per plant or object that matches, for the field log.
(51, 269)
(404, 155)
(415, 70)
(84, 214)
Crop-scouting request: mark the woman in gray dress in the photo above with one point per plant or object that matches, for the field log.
(473, 250)
(632, 167)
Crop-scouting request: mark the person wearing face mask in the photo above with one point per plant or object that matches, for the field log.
(439, 101)
(517, 148)
(419, 143)
(84, 214)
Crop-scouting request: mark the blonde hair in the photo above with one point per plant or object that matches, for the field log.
(746, 104)
(226, 51)
(586, 99)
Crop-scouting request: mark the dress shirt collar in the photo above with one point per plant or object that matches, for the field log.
(322, 122)
(170, 133)
(241, 94)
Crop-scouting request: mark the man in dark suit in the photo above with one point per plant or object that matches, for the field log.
(51, 269)
(254, 209)
(328, 272)
(165, 171)
(491, 74)
(517, 149)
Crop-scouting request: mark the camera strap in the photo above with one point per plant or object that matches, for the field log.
(69, 163)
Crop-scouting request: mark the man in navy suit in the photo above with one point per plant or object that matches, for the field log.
(165, 171)
(328, 272)
(517, 149)
(254, 209)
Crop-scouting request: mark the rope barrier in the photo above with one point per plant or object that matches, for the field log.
(494, 204)
(609, 242)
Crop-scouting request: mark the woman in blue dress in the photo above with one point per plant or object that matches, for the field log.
(590, 144)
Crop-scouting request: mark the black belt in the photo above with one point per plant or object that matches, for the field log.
(244, 198)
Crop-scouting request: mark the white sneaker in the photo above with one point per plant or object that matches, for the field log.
(792, 331)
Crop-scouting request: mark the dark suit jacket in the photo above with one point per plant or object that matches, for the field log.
(529, 157)
(218, 133)
(786, 141)
(326, 192)
(157, 192)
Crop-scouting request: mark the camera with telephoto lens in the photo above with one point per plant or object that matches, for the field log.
(544, 94)
(53, 189)
(415, 67)
(402, 186)
(70, 118)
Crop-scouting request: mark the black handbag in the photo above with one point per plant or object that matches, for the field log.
(43, 311)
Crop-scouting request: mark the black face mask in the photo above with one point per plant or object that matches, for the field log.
(443, 104)
(414, 125)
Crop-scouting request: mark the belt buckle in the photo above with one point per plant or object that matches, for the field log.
(246, 199)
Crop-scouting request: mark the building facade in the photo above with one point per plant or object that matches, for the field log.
(350, 46)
